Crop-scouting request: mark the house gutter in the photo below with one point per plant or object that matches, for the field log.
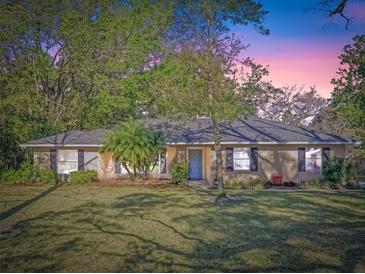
(268, 143)
(201, 143)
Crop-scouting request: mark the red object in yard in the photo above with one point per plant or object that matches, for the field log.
(277, 180)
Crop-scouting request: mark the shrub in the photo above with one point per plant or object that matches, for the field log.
(335, 171)
(255, 183)
(47, 176)
(83, 177)
(24, 174)
(251, 183)
(6, 176)
(179, 172)
(316, 183)
(28, 173)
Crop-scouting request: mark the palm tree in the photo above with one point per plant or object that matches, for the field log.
(156, 147)
(135, 146)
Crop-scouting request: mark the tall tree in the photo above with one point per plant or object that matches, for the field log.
(290, 104)
(199, 77)
(347, 102)
(75, 64)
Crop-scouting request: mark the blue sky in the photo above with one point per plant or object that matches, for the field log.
(304, 43)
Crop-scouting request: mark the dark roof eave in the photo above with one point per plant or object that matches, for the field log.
(25, 145)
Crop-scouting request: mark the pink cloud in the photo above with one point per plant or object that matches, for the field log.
(300, 63)
(305, 69)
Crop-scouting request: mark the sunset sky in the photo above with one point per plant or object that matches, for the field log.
(304, 43)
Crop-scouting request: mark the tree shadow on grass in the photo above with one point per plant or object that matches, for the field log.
(152, 231)
(6, 214)
(301, 233)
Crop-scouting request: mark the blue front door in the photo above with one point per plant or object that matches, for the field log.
(195, 164)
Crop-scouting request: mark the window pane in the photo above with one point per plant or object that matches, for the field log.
(243, 164)
(241, 159)
(66, 167)
(91, 161)
(67, 155)
(241, 153)
(313, 159)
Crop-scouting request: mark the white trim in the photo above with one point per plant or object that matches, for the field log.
(204, 143)
(268, 143)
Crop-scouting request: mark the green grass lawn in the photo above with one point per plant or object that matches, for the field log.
(108, 229)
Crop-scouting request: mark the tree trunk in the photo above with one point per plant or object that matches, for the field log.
(218, 152)
(124, 164)
(134, 171)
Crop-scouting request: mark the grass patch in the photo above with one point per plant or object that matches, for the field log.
(111, 229)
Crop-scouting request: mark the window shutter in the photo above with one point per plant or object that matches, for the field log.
(118, 168)
(80, 159)
(229, 158)
(301, 159)
(326, 151)
(53, 159)
(254, 161)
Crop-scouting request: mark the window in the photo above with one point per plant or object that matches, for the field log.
(162, 163)
(67, 161)
(241, 158)
(301, 159)
(91, 161)
(313, 160)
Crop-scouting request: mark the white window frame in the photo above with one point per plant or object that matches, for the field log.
(237, 157)
(319, 160)
(59, 162)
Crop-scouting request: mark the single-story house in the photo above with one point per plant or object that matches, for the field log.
(251, 147)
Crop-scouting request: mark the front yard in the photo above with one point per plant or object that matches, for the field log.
(109, 229)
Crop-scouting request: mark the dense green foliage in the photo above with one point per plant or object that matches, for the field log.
(335, 170)
(348, 96)
(345, 113)
(179, 172)
(201, 78)
(136, 147)
(74, 65)
(83, 177)
(90, 64)
(24, 174)
(27, 173)
(337, 173)
(47, 176)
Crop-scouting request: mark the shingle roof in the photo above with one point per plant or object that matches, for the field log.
(251, 130)
(72, 138)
